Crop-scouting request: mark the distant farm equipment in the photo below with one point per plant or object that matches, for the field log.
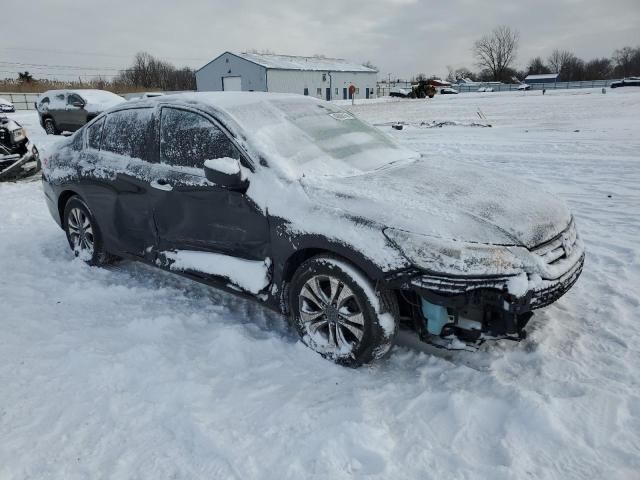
(421, 89)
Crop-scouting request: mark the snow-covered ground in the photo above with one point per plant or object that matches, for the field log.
(131, 372)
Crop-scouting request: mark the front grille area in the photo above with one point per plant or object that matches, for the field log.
(457, 285)
(560, 247)
(549, 294)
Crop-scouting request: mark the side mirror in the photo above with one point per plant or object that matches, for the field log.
(225, 172)
(78, 104)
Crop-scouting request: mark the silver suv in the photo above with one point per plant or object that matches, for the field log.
(68, 110)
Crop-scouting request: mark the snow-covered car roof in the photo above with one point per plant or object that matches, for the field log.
(5, 102)
(90, 95)
(96, 100)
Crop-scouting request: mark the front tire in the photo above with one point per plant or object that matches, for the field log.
(50, 127)
(83, 233)
(338, 313)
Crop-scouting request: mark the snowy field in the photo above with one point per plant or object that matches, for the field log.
(131, 372)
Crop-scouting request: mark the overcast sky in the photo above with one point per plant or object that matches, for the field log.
(401, 37)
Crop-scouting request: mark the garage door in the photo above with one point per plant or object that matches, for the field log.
(232, 84)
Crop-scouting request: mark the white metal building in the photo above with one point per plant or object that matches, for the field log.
(326, 78)
(542, 78)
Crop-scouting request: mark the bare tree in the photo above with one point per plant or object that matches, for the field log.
(150, 72)
(558, 59)
(497, 51)
(537, 66)
(570, 67)
(597, 69)
(573, 69)
(627, 61)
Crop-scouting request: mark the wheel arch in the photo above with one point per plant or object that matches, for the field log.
(300, 255)
(293, 262)
(63, 198)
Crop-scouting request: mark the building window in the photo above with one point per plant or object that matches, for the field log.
(336, 91)
(357, 90)
(319, 92)
(324, 77)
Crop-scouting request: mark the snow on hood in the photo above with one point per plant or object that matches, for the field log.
(447, 199)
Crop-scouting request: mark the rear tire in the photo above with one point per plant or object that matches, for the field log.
(50, 127)
(83, 233)
(338, 313)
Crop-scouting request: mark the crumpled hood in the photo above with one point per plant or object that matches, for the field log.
(447, 199)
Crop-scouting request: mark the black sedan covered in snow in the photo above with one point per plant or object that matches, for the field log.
(298, 204)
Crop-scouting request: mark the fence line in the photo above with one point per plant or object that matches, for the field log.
(22, 101)
(25, 101)
(507, 87)
(384, 89)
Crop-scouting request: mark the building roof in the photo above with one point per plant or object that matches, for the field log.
(290, 62)
(543, 76)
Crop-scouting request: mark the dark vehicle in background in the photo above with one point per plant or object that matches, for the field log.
(301, 206)
(627, 82)
(6, 106)
(448, 91)
(68, 110)
(400, 92)
(18, 156)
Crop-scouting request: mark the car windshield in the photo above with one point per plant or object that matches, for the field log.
(308, 137)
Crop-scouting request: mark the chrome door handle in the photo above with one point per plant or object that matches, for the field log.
(161, 185)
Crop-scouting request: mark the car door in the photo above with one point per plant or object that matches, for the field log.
(191, 213)
(117, 152)
(58, 110)
(75, 113)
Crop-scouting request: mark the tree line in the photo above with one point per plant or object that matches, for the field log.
(153, 73)
(145, 73)
(495, 56)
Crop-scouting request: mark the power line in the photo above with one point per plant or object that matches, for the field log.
(99, 54)
(61, 67)
(75, 75)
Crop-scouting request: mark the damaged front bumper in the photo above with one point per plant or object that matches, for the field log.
(20, 165)
(476, 308)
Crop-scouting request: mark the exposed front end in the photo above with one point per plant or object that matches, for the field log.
(461, 311)
(18, 156)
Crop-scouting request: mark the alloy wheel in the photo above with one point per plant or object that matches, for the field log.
(330, 313)
(80, 231)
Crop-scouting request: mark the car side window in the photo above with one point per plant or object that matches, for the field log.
(60, 97)
(72, 98)
(129, 132)
(94, 134)
(187, 139)
(44, 100)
